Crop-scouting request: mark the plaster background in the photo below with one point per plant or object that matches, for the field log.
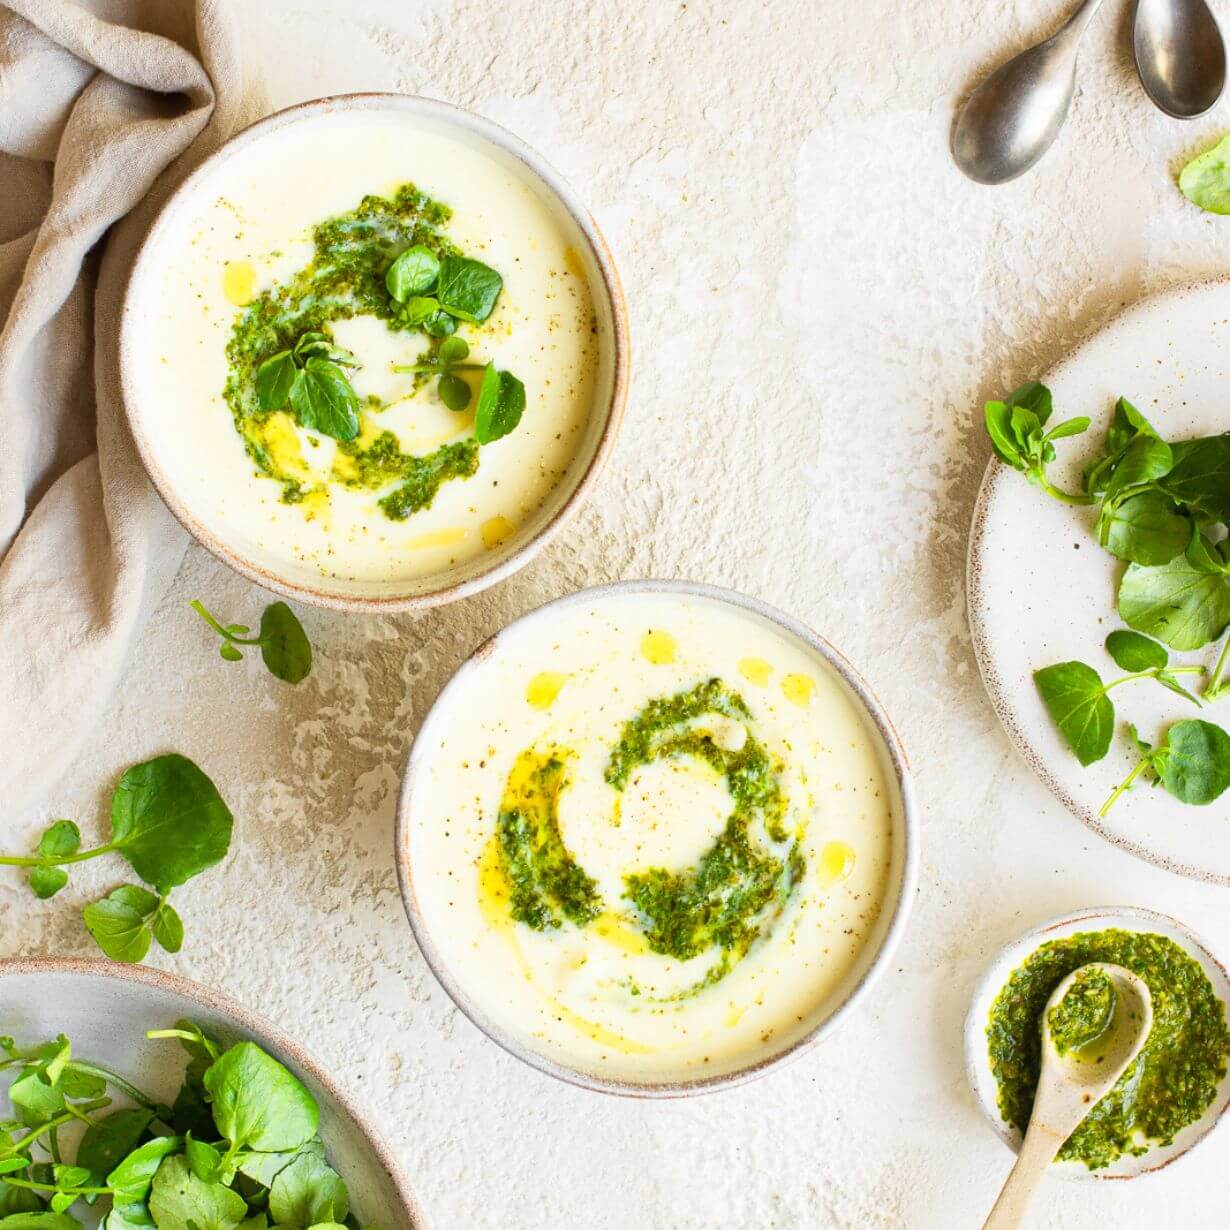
(820, 303)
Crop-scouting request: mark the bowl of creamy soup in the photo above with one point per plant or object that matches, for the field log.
(374, 351)
(656, 838)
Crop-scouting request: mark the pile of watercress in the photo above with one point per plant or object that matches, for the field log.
(169, 822)
(1164, 509)
(237, 1150)
(285, 648)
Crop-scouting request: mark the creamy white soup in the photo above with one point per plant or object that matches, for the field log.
(651, 835)
(284, 254)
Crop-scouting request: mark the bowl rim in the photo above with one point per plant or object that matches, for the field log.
(900, 906)
(611, 287)
(995, 974)
(252, 1022)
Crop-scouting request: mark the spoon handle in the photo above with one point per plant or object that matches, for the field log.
(1037, 1153)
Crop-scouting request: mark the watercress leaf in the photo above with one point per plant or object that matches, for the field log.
(439, 324)
(263, 1168)
(1003, 441)
(1145, 529)
(122, 929)
(70, 1176)
(418, 309)
(1197, 767)
(321, 346)
(306, 1192)
(47, 881)
(258, 1103)
(1200, 476)
(1033, 396)
(467, 288)
(17, 1200)
(1205, 181)
(501, 402)
(168, 928)
(1205, 556)
(35, 1100)
(1069, 427)
(258, 1221)
(169, 821)
(39, 1221)
(285, 649)
(203, 1159)
(1145, 460)
(274, 379)
(1127, 423)
(181, 1201)
(324, 400)
(11, 1165)
(230, 652)
(1181, 606)
(1167, 680)
(56, 1057)
(413, 273)
(131, 1216)
(1134, 652)
(131, 1179)
(454, 392)
(109, 1140)
(1027, 432)
(453, 350)
(1076, 699)
(312, 342)
(61, 840)
(77, 1084)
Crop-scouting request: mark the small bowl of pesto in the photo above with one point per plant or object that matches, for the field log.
(374, 352)
(1175, 1091)
(656, 838)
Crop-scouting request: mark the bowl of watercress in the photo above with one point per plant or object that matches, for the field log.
(136, 1100)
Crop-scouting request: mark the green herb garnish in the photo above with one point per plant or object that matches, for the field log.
(1205, 181)
(310, 378)
(285, 648)
(238, 1149)
(1192, 763)
(169, 822)
(1077, 700)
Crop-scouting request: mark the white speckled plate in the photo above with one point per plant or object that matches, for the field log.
(1040, 589)
(977, 1060)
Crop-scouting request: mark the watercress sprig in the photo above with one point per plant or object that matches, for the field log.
(1016, 426)
(1076, 697)
(433, 293)
(1192, 763)
(285, 648)
(309, 377)
(169, 823)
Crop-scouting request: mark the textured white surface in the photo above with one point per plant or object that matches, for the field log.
(819, 305)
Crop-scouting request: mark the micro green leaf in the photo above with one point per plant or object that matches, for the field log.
(1076, 699)
(501, 402)
(414, 272)
(1134, 652)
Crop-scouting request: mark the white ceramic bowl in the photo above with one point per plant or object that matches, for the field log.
(105, 1008)
(174, 468)
(877, 950)
(977, 1060)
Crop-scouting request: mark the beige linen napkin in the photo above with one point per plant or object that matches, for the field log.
(103, 110)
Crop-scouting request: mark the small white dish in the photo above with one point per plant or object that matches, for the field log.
(105, 1008)
(1040, 590)
(977, 1061)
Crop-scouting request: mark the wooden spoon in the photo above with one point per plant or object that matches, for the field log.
(1071, 1084)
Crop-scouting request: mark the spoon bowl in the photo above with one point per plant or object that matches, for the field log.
(1073, 1080)
(1180, 55)
(1014, 116)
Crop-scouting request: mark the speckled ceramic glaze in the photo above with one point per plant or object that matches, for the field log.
(458, 581)
(880, 943)
(105, 1009)
(977, 1060)
(1041, 590)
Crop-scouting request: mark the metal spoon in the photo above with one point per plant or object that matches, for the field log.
(1180, 55)
(1070, 1085)
(1014, 116)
